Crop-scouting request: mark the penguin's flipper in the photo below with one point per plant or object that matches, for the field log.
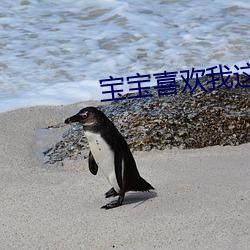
(111, 193)
(118, 166)
(93, 167)
(115, 203)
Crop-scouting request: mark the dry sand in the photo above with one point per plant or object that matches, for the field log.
(201, 201)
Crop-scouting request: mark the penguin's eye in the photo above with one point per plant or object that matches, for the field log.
(84, 115)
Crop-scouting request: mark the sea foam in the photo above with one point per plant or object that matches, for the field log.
(56, 52)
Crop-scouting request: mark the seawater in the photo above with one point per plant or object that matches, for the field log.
(55, 52)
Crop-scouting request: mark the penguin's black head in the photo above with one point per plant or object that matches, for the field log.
(88, 117)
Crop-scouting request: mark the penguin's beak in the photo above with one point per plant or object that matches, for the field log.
(74, 118)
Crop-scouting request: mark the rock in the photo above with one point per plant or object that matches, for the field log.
(201, 119)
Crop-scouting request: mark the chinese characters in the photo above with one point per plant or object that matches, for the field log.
(166, 82)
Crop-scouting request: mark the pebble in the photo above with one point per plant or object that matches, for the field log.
(197, 120)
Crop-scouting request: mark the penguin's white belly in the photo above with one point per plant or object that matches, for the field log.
(104, 157)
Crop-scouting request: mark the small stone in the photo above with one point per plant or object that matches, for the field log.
(181, 133)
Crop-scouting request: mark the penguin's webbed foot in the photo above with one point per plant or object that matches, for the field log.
(111, 193)
(113, 204)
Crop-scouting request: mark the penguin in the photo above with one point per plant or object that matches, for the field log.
(110, 152)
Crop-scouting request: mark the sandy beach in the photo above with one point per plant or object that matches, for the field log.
(201, 198)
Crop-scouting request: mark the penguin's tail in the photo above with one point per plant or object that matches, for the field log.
(141, 185)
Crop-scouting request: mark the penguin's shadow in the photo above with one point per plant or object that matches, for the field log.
(137, 198)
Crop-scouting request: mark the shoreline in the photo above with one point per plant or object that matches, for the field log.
(201, 197)
(203, 80)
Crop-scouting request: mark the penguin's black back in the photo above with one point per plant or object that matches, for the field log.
(131, 181)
